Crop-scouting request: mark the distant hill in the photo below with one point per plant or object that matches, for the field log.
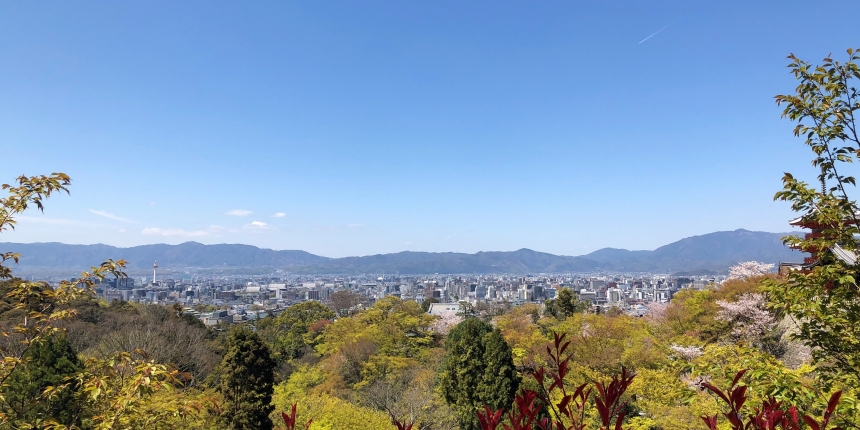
(521, 261)
(709, 253)
(189, 254)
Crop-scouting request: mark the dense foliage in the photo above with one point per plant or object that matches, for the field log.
(477, 370)
(565, 304)
(247, 376)
(52, 363)
(292, 334)
(823, 299)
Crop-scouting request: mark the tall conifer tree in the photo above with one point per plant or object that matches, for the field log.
(247, 381)
(500, 382)
(477, 370)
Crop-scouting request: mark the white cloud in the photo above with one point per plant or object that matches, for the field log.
(122, 230)
(408, 243)
(216, 228)
(257, 225)
(355, 225)
(238, 212)
(155, 231)
(279, 215)
(112, 216)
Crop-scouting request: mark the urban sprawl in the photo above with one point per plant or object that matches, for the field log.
(232, 299)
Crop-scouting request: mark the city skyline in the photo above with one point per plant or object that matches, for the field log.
(383, 127)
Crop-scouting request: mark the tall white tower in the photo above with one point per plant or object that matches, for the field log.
(154, 266)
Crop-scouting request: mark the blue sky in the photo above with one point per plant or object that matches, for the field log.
(374, 127)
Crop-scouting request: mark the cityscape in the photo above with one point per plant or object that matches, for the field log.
(243, 299)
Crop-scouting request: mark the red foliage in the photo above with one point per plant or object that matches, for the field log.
(290, 420)
(489, 419)
(402, 426)
(319, 326)
(770, 416)
(570, 410)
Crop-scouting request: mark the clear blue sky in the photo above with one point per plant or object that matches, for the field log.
(386, 126)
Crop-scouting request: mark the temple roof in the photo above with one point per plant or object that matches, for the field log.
(801, 220)
(849, 257)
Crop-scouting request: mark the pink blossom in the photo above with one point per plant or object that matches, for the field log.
(657, 311)
(688, 352)
(447, 320)
(749, 269)
(747, 316)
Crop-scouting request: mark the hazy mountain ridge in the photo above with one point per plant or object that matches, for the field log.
(189, 254)
(521, 261)
(713, 251)
(709, 252)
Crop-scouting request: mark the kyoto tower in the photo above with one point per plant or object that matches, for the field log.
(154, 266)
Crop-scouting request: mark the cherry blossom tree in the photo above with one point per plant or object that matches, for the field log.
(688, 352)
(749, 269)
(657, 312)
(447, 320)
(748, 317)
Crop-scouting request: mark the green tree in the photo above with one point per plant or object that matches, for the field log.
(247, 378)
(823, 299)
(292, 325)
(477, 370)
(115, 388)
(52, 363)
(38, 306)
(694, 313)
(500, 382)
(565, 304)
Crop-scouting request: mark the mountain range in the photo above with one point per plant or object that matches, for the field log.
(708, 253)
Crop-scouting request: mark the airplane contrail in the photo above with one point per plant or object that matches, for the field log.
(655, 33)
